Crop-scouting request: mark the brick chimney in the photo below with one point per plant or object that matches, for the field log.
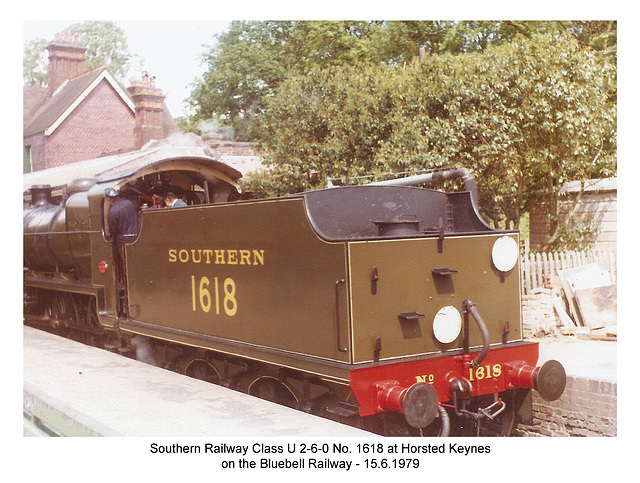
(149, 102)
(66, 60)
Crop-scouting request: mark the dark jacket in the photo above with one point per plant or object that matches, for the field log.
(123, 221)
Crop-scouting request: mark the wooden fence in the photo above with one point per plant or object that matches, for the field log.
(537, 267)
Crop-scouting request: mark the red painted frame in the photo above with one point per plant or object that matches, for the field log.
(504, 368)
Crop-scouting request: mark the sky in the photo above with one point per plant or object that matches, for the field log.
(170, 41)
(169, 50)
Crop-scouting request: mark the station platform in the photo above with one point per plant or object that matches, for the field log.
(583, 358)
(589, 404)
(75, 390)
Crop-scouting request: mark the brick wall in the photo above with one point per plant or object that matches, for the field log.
(588, 407)
(149, 102)
(102, 124)
(36, 143)
(539, 224)
(539, 318)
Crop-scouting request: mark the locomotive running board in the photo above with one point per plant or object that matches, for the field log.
(329, 369)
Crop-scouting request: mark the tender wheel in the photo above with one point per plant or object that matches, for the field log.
(273, 390)
(196, 368)
(199, 369)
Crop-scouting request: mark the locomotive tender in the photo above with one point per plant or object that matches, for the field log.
(388, 306)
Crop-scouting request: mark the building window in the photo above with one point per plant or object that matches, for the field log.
(27, 168)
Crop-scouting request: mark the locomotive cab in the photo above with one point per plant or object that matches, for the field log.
(66, 234)
(196, 181)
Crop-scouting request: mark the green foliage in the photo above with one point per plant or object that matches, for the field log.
(34, 65)
(243, 69)
(574, 234)
(329, 123)
(397, 42)
(524, 117)
(248, 63)
(106, 44)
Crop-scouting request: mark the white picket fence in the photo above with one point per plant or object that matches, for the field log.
(537, 267)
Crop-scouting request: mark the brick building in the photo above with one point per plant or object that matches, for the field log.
(84, 115)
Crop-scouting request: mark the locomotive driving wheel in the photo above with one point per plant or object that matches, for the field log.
(94, 335)
(62, 310)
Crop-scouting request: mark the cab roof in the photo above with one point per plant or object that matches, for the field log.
(128, 166)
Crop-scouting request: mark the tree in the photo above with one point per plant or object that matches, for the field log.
(106, 44)
(328, 123)
(244, 67)
(35, 62)
(399, 42)
(249, 62)
(525, 117)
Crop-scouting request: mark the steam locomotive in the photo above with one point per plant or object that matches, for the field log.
(388, 306)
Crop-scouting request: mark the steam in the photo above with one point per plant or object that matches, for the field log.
(144, 352)
(183, 140)
(212, 129)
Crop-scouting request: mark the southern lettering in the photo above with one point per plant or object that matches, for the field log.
(216, 257)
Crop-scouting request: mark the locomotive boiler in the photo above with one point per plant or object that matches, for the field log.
(389, 306)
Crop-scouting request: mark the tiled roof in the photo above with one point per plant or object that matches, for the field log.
(68, 94)
(591, 185)
(32, 99)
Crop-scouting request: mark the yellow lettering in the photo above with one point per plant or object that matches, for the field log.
(258, 256)
(485, 372)
(497, 370)
(245, 257)
(217, 257)
(217, 297)
(426, 378)
(230, 304)
(205, 295)
(193, 293)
